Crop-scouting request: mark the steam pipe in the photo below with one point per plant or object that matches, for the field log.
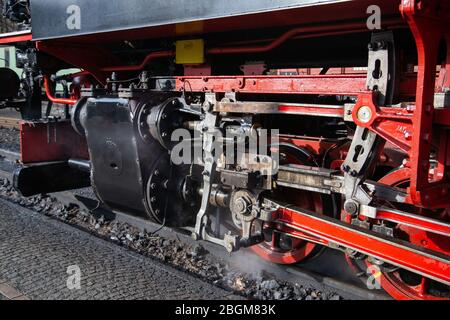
(148, 58)
(53, 98)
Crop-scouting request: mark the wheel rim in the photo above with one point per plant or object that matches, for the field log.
(301, 249)
(402, 284)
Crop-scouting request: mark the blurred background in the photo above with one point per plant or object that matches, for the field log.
(7, 54)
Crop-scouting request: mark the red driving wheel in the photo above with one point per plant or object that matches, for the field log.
(402, 284)
(281, 248)
(298, 249)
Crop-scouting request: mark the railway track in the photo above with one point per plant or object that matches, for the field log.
(319, 273)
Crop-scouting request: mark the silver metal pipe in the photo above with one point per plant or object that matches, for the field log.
(79, 164)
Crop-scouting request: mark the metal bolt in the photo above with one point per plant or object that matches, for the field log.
(408, 135)
(351, 207)
(410, 108)
(241, 206)
(364, 114)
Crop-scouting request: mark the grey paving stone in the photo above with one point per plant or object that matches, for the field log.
(36, 252)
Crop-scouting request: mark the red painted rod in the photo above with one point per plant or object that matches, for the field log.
(278, 41)
(54, 99)
(425, 262)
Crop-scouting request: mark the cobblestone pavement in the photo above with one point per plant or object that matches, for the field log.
(36, 252)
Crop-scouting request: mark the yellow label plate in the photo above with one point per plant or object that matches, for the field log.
(190, 51)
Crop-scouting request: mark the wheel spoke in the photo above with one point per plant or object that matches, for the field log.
(275, 238)
(423, 287)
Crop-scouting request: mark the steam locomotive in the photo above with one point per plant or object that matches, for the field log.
(180, 112)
